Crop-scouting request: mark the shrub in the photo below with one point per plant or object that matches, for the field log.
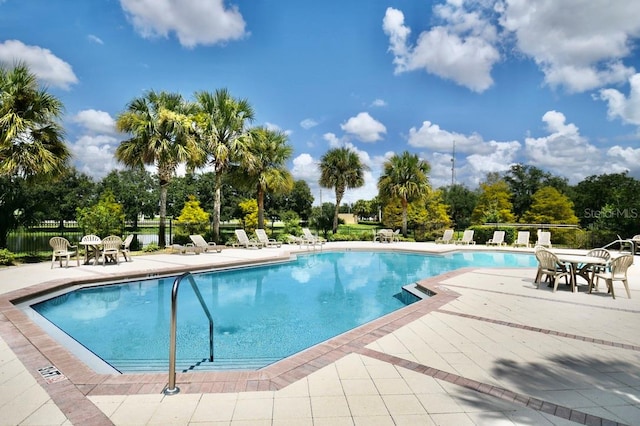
(6, 257)
(151, 247)
(103, 219)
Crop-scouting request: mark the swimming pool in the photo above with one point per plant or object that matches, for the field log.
(261, 314)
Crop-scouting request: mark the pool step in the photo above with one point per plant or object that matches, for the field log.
(220, 364)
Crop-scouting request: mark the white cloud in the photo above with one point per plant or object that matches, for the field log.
(276, 128)
(623, 159)
(95, 39)
(42, 62)
(95, 121)
(94, 155)
(579, 45)
(378, 103)
(627, 109)
(308, 123)
(334, 141)
(431, 136)
(364, 127)
(462, 50)
(193, 21)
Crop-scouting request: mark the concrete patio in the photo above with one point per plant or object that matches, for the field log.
(489, 349)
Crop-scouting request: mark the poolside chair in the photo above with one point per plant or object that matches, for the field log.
(205, 246)
(550, 266)
(111, 247)
(292, 239)
(497, 239)
(544, 239)
(63, 248)
(383, 235)
(617, 272)
(125, 247)
(467, 237)
(245, 241)
(262, 236)
(309, 238)
(522, 240)
(184, 249)
(447, 237)
(588, 271)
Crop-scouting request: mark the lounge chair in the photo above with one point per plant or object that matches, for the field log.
(63, 248)
(125, 247)
(549, 265)
(245, 241)
(497, 239)
(184, 249)
(262, 236)
(617, 272)
(544, 239)
(383, 235)
(309, 238)
(467, 237)
(447, 237)
(205, 246)
(111, 247)
(522, 240)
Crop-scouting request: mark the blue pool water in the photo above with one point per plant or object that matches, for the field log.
(261, 314)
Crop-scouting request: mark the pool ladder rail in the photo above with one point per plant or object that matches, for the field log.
(171, 388)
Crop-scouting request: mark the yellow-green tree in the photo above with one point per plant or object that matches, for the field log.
(250, 210)
(193, 219)
(420, 213)
(104, 218)
(494, 203)
(550, 206)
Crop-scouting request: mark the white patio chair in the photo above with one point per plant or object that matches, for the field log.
(309, 238)
(125, 247)
(205, 246)
(617, 272)
(522, 240)
(245, 241)
(497, 239)
(550, 266)
(544, 239)
(262, 237)
(467, 237)
(62, 248)
(111, 247)
(447, 237)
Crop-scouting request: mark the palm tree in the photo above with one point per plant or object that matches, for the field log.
(269, 152)
(31, 138)
(221, 122)
(404, 177)
(341, 168)
(161, 129)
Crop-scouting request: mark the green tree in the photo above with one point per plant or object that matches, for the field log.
(341, 169)
(405, 177)
(494, 205)
(362, 208)
(104, 218)
(31, 137)
(322, 218)
(250, 217)
(299, 200)
(221, 125)
(268, 153)
(193, 219)
(160, 126)
(460, 202)
(524, 181)
(134, 189)
(550, 206)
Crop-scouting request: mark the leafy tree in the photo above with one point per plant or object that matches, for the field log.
(299, 200)
(221, 123)
(460, 202)
(134, 189)
(322, 218)
(362, 208)
(193, 219)
(291, 222)
(550, 206)
(341, 169)
(160, 126)
(250, 218)
(104, 218)
(494, 205)
(524, 181)
(405, 177)
(31, 137)
(268, 153)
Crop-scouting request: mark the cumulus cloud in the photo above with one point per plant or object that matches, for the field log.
(94, 155)
(577, 45)
(95, 39)
(193, 21)
(42, 62)
(431, 136)
(626, 109)
(461, 50)
(364, 127)
(95, 121)
(308, 123)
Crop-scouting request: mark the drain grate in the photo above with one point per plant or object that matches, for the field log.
(51, 374)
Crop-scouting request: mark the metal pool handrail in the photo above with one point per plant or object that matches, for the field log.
(171, 388)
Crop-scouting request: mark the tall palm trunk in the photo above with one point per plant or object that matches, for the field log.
(405, 205)
(339, 195)
(260, 193)
(217, 204)
(163, 215)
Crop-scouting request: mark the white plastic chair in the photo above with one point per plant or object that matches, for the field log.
(522, 240)
(262, 236)
(245, 241)
(62, 248)
(617, 272)
(467, 237)
(205, 246)
(447, 237)
(497, 239)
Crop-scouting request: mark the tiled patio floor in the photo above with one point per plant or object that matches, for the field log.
(490, 348)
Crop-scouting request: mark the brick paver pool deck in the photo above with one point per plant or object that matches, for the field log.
(489, 349)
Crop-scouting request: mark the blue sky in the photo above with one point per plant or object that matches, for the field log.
(553, 84)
